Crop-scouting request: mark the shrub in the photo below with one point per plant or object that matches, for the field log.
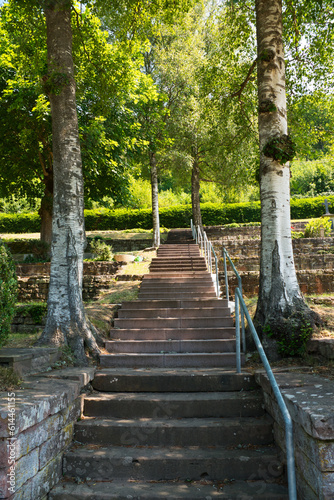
(101, 250)
(176, 216)
(20, 223)
(40, 252)
(313, 228)
(8, 291)
(36, 311)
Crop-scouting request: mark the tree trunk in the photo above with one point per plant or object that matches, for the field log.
(45, 213)
(155, 201)
(66, 321)
(195, 202)
(282, 317)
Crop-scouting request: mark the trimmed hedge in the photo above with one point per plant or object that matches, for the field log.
(177, 216)
(20, 223)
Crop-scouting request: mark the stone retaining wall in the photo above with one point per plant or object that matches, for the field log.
(45, 413)
(310, 281)
(310, 401)
(94, 268)
(34, 288)
(309, 253)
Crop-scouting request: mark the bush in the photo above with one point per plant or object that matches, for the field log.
(20, 223)
(313, 228)
(176, 216)
(35, 310)
(40, 252)
(8, 291)
(101, 250)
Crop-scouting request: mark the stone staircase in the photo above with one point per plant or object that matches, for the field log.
(169, 417)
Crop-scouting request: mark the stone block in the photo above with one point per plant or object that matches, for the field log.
(320, 452)
(40, 399)
(55, 445)
(24, 493)
(310, 401)
(82, 375)
(304, 490)
(47, 478)
(38, 434)
(23, 470)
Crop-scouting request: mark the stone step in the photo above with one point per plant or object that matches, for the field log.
(172, 333)
(169, 360)
(176, 405)
(171, 322)
(187, 279)
(202, 432)
(181, 287)
(172, 275)
(144, 304)
(179, 258)
(176, 267)
(143, 295)
(173, 380)
(174, 252)
(171, 463)
(170, 346)
(213, 312)
(186, 284)
(164, 490)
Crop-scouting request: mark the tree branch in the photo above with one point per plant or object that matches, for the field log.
(244, 83)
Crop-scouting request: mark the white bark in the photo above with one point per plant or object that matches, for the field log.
(155, 201)
(66, 322)
(279, 293)
(195, 198)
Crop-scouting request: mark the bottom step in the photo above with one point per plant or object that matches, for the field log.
(170, 490)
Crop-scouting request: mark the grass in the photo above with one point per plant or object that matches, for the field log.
(127, 234)
(9, 380)
(138, 268)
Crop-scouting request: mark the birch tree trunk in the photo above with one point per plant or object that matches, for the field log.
(66, 321)
(195, 201)
(155, 201)
(282, 315)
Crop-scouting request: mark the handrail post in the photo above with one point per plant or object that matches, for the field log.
(226, 278)
(243, 329)
(237, 334)
(217, 278)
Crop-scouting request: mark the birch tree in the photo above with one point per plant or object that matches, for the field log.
(66, 321)
(281, 315)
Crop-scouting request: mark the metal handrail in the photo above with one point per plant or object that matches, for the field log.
(241, 308)
(206, 250)
(226, 255)
(284, 410)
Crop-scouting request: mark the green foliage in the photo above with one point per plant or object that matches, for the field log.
(292, 336)
(312, 178)
(40, 250)
(36, 311)
(55, 82)
(66, 358)
(315, 226)
(20, 223)
(295, 235)
(311, 121)
(171, 217)
(101, 250)
(9, 379)
(281, 149)
(8, 291)
(308, 208)
(13, 205)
